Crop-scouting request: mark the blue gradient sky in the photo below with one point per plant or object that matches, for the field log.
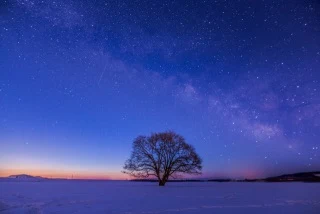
(79, 80)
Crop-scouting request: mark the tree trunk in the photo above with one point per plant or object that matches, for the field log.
(162, 183)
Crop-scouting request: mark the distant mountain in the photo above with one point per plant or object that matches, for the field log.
(302, 176)
(24, 177)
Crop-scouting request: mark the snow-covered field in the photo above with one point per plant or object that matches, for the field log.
(147, 198)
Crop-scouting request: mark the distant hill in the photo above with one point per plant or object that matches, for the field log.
(302, 176)
(24, 177)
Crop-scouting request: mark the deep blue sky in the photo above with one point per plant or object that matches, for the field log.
(79, 80)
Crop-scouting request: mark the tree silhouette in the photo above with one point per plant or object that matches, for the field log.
(162, 155)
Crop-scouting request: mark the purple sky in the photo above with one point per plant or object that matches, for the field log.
(79, 80)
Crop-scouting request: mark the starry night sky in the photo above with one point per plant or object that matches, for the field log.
(79, 80)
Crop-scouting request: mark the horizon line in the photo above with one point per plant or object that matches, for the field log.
(146, 179)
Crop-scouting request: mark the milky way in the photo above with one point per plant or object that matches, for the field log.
(79, 80)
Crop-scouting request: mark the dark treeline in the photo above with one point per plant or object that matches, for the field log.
(297, 177)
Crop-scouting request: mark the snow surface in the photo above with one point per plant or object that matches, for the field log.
(71, 196)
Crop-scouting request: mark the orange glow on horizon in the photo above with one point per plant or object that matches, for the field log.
(117, 175)
(65, 174)
(112, 175)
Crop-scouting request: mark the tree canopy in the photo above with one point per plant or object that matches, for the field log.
(162, 155)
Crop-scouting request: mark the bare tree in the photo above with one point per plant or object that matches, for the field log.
(162, 155)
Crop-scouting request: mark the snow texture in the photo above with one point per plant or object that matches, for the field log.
(71, 196)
